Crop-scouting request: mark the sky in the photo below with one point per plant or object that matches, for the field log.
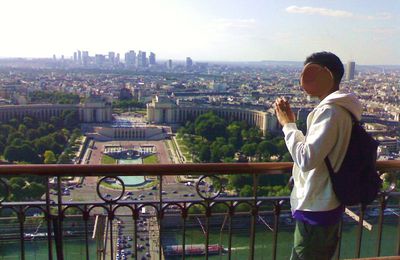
(366, 31)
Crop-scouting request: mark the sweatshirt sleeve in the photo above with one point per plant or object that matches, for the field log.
(310, 150)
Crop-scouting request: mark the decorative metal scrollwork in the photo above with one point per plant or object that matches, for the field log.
(106, 185)
(209, 187)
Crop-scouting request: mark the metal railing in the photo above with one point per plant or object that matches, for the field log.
(54, 208)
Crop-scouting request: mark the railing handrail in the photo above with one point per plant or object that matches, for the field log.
(161, 169)
(157, 206)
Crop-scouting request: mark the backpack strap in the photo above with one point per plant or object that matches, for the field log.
(327, 162)
(329, 166)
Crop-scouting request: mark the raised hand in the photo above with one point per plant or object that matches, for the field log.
(283, 112)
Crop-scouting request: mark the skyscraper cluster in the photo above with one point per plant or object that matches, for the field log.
(130, 60)
(140, 60)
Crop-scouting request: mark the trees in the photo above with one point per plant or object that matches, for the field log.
(49, 157)
(14, 135)
(234, 134)
(64, 159)
(26, 139)
(249, 149)
(287, 157)
(54, 97)
(16, 185)
(22, 141)
(43, 143)
(29, 122)
(70, 119)
(23, 153)
(215, 149)
(126, 104)
(204, 153)
(35, 190)
(246, 191)
(210, 126)
(265, 149)
(11, 153)
(227, 151)
(219, 142)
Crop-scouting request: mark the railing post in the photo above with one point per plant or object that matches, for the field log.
(360, 231)
(49, 220)
(254, 212)
(277, 212)
(58, 231)
(159, 216)
(21, 219)
(135, 221)
(57, 237)
(231, 213)
(382, 206)
(111, 218)
(85, 219)
(208, 215)
(184, 215)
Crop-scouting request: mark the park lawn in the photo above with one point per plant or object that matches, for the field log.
(108, 160)
(150, 159)
(184, 149)
(142, 111)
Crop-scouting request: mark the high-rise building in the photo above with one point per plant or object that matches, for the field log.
(141, 59)
(350, 70)
(117, 59)
(169, 64)
(85, 58)
(75, 57)
(111, 57)
(189, 63)
(152, 58)
(79, 57)
(99, 59)
(130, 59)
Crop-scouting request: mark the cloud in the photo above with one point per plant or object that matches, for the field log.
(335, 13)
(379, 16)
(318, 11)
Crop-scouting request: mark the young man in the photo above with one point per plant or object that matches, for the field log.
(314, 205)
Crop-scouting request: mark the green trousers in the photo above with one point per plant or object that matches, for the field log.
(313, 242)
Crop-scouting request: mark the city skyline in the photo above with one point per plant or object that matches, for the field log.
(364, 31)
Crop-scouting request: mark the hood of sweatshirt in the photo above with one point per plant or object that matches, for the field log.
(348, 101)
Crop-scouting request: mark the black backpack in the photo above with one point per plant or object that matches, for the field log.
(357, 180)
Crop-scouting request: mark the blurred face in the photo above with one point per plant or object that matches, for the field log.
(316, 80)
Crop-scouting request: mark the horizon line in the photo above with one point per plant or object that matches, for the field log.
(211, 61)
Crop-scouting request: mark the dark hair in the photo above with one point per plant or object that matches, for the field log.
(330, 61)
